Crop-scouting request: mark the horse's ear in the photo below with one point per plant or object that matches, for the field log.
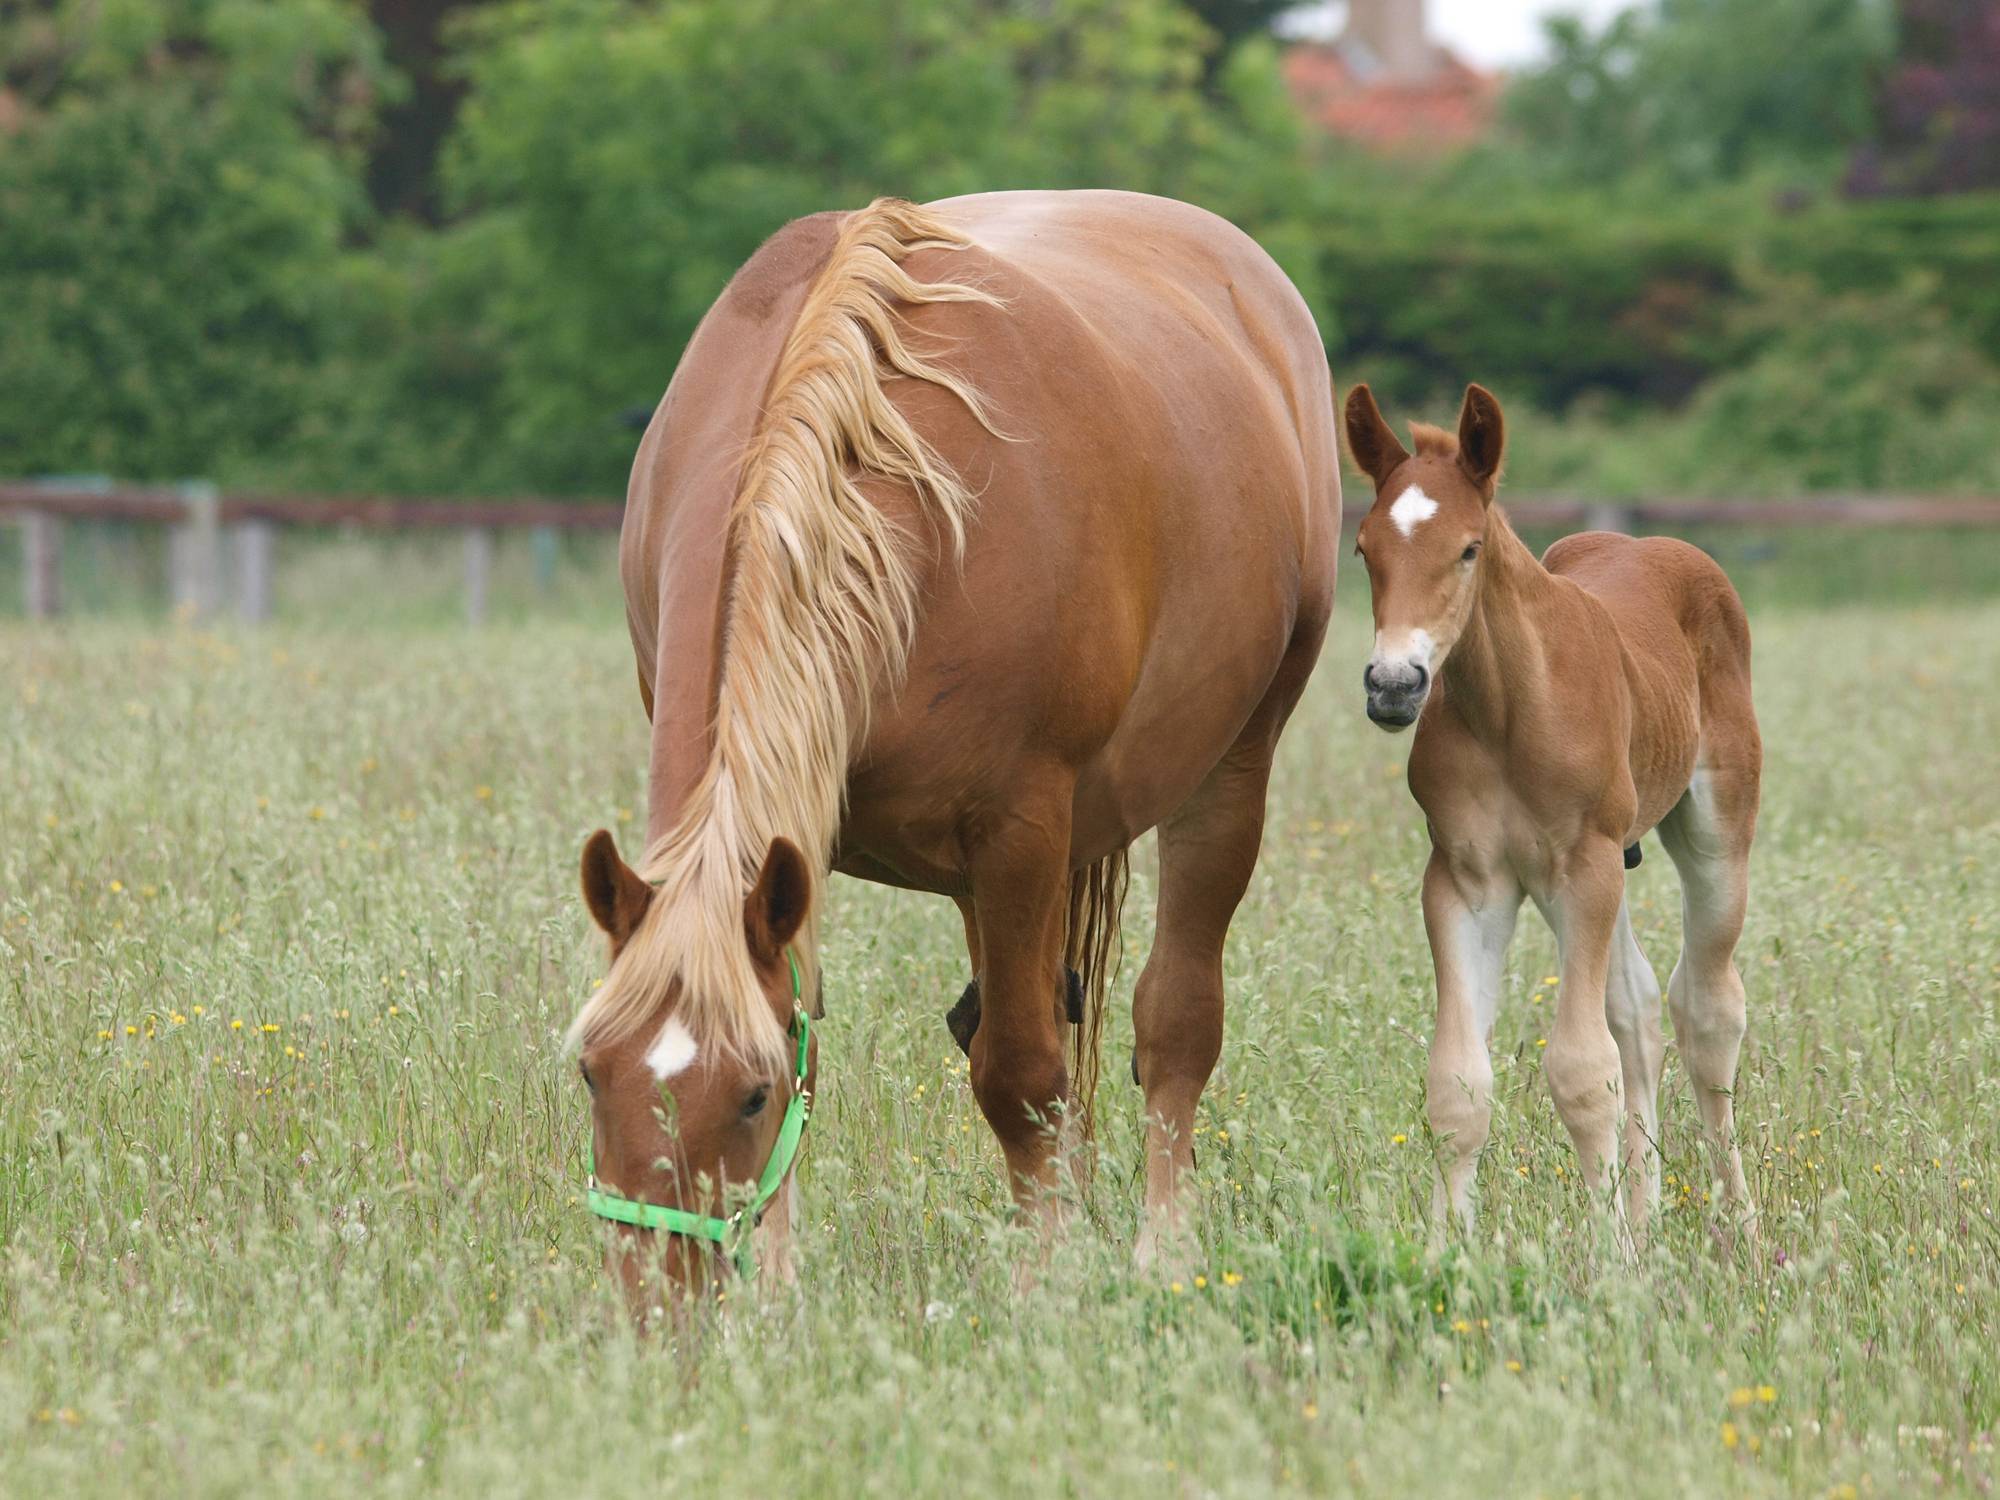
(613, 891)
(776, 907)
(1370, 443)
(1482, 438)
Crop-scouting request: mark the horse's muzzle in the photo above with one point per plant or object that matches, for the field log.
(1396, 692)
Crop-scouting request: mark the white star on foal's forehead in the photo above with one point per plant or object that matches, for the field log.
(1412, 508)
(673, 1050)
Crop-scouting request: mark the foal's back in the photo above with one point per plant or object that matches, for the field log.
(1673, 605)
(1686, 645)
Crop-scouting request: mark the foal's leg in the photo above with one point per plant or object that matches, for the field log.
(1020, 891)
(1208, 850)
(1582, 1061)
(1632, 1009)
(1470, 923)
(1708, 836)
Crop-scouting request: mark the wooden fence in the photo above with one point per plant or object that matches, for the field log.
(226, 545)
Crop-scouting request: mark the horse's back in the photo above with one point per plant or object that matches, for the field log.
(1686, 641)
(1175, 507)
(1651, 583)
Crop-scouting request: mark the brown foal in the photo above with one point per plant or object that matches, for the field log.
(1563, 708)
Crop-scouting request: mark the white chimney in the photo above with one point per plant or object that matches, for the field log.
(1392, 39)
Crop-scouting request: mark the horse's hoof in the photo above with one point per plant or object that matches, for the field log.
(962, 1020)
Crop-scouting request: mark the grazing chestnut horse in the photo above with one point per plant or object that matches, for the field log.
(970, 541)
(1563, 708)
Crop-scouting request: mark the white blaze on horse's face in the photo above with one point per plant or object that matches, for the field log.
(1420, 542)
(674, 1050)
(1412, 508)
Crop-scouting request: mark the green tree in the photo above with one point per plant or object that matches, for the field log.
(172, 209)
(1697, 90)
(615, 162)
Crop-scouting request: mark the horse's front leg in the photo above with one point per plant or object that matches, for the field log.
(1582, 1063)
(1470, 921)
(1020, 887)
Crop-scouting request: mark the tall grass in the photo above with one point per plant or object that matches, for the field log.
(341, 1242)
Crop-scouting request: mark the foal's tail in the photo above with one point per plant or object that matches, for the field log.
(1092, 948)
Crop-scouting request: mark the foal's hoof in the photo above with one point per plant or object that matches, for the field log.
(962, 1020)
(1073, 995)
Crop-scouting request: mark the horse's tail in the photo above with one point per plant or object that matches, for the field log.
(1091, 948)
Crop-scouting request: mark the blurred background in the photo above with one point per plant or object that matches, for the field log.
(1727, 248)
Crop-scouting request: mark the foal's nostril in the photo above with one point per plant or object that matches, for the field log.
(1423, 676)
(1368, 676)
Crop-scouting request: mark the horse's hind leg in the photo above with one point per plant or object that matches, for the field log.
(1708, 835)
(1208, 850)
(1632, 1008)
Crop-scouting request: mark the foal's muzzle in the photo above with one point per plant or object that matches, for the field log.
(1396, 692)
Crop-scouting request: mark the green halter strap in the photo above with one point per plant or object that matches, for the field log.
(731, 1234)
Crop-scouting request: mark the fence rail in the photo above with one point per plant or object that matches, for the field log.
(200, 517)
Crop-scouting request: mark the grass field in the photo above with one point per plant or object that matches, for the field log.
(290, 1154)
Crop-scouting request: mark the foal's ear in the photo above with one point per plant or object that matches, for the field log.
(1482, 438)
(776, 907)
(615, 894)
(1370, 443)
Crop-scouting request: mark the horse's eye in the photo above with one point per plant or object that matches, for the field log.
(588, 1082)
(754, 1105)
(1471, 551)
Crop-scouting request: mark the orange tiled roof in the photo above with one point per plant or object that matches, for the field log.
(1454, 107)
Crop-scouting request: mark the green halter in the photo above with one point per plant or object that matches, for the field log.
(733, 1233)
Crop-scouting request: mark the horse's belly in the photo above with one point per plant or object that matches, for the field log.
(1203, 678)
(1666, 737)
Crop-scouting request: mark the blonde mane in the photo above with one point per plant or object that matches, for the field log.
(823, 600)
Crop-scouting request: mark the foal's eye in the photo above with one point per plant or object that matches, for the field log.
(1471, 551)
(588, 1082)
(754, 1105)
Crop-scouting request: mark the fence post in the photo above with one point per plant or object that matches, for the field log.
(1608, 515)
(256, 543)
(478, 572)
(194, 553)
(546, 546)
(41, 555)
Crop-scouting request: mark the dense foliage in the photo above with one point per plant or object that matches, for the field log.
(1655, 247)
